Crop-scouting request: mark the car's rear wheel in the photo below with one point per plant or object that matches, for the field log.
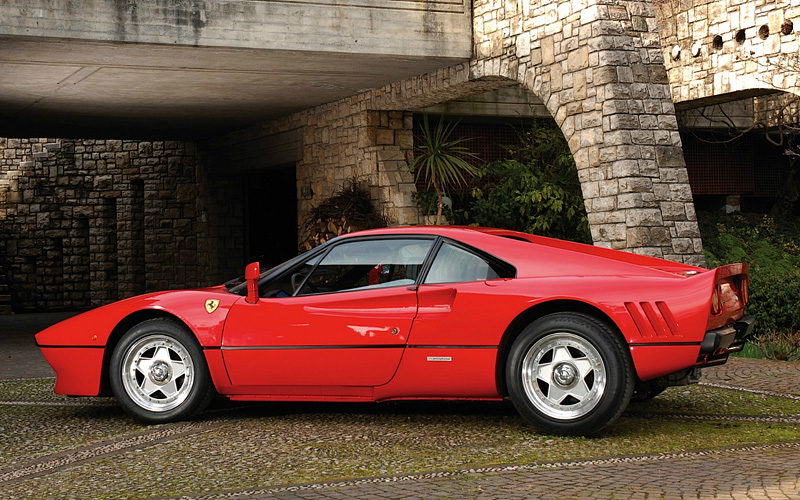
(569, 374)
(158, 372)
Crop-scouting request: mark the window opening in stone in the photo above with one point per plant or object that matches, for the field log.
(763, 32)
(787, 27)
(717, 43)
(740, 37)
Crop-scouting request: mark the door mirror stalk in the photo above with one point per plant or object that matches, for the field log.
(252, 273)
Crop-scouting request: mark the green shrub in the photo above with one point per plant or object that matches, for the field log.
(774, 300)
(536, 190)
(528, 198)
(770, 246)
(782, 346)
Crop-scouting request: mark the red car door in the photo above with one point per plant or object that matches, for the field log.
(343, 321)
(461, 302)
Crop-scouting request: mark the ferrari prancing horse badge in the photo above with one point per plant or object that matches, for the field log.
(211, 305)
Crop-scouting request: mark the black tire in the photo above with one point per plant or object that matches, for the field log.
(158, 373)
(569, 374)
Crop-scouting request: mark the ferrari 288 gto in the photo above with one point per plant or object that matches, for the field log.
(570, 333)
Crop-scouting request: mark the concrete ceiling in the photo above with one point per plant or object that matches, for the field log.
(83, 89)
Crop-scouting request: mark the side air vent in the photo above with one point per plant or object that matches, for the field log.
(653, 319)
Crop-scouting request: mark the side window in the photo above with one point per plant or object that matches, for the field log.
(454, 265)
(368, 264)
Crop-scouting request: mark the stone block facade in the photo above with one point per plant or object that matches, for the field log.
(717, 47)
(83, 223)
(599, 69)
(367, 138)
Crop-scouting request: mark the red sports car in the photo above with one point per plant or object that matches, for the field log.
(569, 332)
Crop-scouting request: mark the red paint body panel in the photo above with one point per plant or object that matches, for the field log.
(357, 318)
(466, 314)
(94, 327)
(656, 361)
(333, 393)
(311, 367)
(78, 368)
(216, 367)
(423, 341)
(353, 338)
(448, 373)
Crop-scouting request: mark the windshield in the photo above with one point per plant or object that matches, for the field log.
(239, 286)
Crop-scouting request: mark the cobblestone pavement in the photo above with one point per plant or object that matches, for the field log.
(752, 473)
(768, 472)
(746, 472)
(756, 375)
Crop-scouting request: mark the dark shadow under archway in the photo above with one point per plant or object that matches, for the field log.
(271, 215)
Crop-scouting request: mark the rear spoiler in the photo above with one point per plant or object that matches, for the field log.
(732, 270)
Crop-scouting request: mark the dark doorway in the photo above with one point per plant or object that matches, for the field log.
(271, 218)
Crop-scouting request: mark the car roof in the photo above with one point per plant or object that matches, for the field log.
(511, 246)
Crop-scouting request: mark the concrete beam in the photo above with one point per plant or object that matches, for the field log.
(195, 69)
(417, 28)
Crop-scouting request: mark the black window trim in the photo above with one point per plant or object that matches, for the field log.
(508, 268)
(322, 251)
(373, 237)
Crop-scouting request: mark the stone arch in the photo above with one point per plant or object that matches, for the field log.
(634, 181)
(599, 69)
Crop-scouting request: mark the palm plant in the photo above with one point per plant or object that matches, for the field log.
(440, 161)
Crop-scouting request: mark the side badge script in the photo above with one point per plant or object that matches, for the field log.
(211, 305)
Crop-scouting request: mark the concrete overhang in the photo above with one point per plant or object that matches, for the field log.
(195, 69)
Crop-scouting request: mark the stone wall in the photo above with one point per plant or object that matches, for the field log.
(598, 67)
(343, 142)
(366, 137)
(83, 223)
(717, 47)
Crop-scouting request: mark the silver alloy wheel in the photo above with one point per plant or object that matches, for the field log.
(157, 373)
(563, 376)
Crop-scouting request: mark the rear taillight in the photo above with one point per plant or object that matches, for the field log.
(716, 300)
(743, 290)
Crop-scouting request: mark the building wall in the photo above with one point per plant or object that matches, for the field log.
(598, 67)
(366, 137)
(83, 223)
(717, 47)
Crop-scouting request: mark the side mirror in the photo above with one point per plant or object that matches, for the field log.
(251, 275)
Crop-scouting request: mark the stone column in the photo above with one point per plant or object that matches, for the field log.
(598, 67)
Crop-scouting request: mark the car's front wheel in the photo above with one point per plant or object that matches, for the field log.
(569, 374)
(158, 372)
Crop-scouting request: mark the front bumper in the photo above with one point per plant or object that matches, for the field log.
(78, 369)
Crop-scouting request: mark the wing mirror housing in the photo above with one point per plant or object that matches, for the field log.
(251, 275)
